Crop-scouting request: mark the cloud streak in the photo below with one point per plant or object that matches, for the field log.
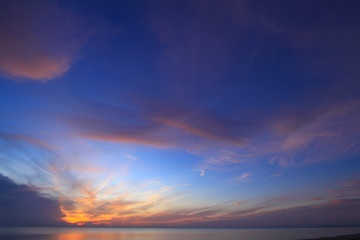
(332, 213)
(105, 199)
(327, 133)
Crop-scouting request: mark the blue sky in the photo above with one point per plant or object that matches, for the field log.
(180, 113)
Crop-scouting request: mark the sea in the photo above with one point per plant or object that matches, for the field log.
(39, 233)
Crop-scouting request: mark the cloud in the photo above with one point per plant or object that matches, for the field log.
(85, 195)
(20, 204)
(316, 199)
(202, 126)
(352, 183)
(331, 134)
(332, 213)
(284, 138)
(192, 52)
(143, 131)
(153, 124)
(241, 178)
(346, 190)
(39, 40)
(103, 199)
(240, 203)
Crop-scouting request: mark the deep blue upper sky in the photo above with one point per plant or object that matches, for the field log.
(180, 113)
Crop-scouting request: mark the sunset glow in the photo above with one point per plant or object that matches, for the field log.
(179, 113)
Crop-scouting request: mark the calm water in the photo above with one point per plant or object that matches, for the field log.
(168, 234)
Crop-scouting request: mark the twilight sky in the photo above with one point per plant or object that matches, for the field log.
(179, 113)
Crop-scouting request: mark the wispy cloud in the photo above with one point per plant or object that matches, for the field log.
(324, 134)
(325, 138)
(242, 178)
(105, 199)
(157, 125)
(352, 183)
(85, 193)
(332, 213)
(240, 203)
(316, 199)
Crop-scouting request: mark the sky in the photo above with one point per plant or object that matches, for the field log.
(179, 113)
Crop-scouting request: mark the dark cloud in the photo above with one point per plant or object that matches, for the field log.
(22, 206)
(332, 213)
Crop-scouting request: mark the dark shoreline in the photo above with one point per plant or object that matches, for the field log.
(341, 237)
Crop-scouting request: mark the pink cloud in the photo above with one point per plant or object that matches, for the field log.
(241, 178)
(199, 131)
(328, 135)
(240, 203)
(316, 199)
(352, 183)
(127, 139)
(39, 40)
(344, 190)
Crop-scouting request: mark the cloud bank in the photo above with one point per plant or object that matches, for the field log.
(19, 205)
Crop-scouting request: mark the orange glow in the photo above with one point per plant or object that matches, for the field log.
(72, 236)
(105, 204)
(117, 211)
